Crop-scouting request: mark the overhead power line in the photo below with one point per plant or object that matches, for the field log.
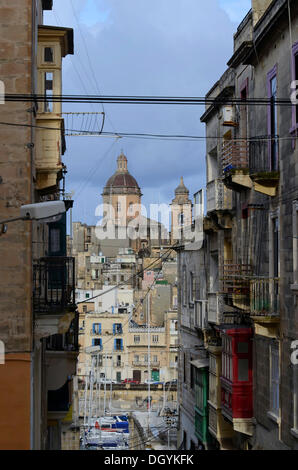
(143, 135)
(164, 100)
(125, 283)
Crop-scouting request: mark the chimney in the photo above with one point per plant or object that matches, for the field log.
(258, 9)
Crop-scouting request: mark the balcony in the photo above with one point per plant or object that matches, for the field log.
(67, 341)
(235, 164)
(235, 284)
(219, 198)
(61, 356)
(54, 286)
(264, 164)
(145, 363)
(95, 332)
(264, 305)
(49, 149)
(111, 332)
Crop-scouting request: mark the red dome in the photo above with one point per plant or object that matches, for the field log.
(121, 181)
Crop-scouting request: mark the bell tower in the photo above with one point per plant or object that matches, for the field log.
(181, 213)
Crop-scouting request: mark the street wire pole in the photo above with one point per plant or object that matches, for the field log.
(91, 391)
(105, 386)
(111, 386)
(149, 371)
(85, 407)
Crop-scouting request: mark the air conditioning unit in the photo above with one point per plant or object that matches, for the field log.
(229, 116)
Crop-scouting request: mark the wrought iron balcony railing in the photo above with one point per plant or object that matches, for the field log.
(235, 278)
(235, 155)
(54, 285)
(264, 297)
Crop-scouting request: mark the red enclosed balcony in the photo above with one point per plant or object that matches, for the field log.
(236, 379)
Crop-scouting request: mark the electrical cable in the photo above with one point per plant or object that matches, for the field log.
(160, 100)
(124, 283)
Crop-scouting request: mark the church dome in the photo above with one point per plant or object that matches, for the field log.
(121, 182)
(181, 189)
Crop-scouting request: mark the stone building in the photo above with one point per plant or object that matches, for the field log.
(38, 333)
(250, 250)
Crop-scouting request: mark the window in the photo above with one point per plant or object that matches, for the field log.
(48, 54)
(242, 370)
(155, 358)
(87, 296)
(212, 388)
(227, 360)
(192, 288)
(55, 240)
(274, 263)
(199, 390)
(275, 226)
(118, 376)
(295, 398)
(84, 308)
(192, 375)
(97, 342)
(181, 219)
(295, 78)
(184, 286)
(295, 242)
(117, 328)
(118, 207)
(146, 358)
(272, 117)
(96, 328)
(136, 339)
(118, 344)
(136, 358)
(274, 379)
(48, 92)
(154, 338)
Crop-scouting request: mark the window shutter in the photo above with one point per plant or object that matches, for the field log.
(114, 328)
(121, 344)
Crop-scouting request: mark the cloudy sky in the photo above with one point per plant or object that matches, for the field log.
(142, 47)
